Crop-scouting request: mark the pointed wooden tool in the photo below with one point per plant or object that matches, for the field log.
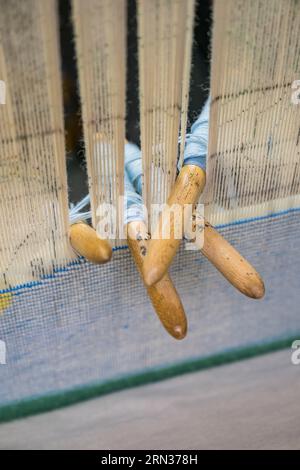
(187, 189)
(87, 243)
(163, 295)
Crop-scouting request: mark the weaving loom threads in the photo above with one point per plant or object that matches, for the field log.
(87, 243)
(253, 154)
(164, 297)
(100, 29)
(33, 182)
(165, 29)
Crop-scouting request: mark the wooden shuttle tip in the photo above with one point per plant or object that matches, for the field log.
(87, 243)
(234, 267)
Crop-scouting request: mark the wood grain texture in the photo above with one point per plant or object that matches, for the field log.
(163, 295)
(251, 404)
(234, 267)
(187, 189)
(87, 243)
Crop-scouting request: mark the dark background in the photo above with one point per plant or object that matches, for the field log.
(74, 134)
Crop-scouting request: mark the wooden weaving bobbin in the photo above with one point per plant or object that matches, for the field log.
(87, 243)
(230, 263)
(187, 189)
(163, 295)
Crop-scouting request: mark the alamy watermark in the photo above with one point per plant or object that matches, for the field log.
(2, 352)
(295, 357)
(167, 222)
(2, 92)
